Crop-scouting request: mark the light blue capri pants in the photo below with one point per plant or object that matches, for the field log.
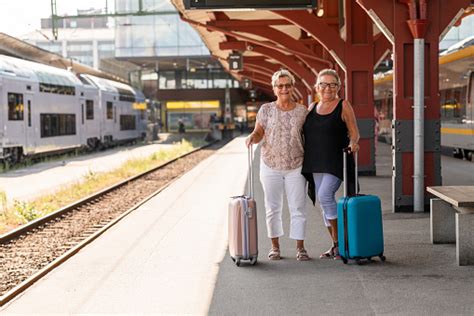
(326, 186)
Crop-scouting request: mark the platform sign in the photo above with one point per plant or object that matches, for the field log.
(253, 94)
(247, 83)
(249, 4)
(235, 61)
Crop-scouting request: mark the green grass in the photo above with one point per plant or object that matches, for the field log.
(22, 212)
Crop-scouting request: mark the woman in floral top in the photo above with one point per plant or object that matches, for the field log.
(279, 127)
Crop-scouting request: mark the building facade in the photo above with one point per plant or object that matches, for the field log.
(76, 40)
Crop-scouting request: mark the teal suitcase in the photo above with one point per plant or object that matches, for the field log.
(359, 225)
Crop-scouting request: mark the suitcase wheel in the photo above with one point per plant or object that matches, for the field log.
(253, 261)
(233, 259)
(358, 261)
(382, 257)
(344, 260)
(237, 262)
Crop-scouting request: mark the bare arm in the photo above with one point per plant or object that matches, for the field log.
(349, 118)
(256, 136)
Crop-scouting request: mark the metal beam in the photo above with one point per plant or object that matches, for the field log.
(253, 23)
(327, 36)
(315, 63)
(287, 60)
(211, 28)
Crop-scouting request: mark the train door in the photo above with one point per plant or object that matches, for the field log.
(82, 126)
(30, 128)
(14, 122)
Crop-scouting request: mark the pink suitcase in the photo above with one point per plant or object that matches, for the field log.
(243, 239)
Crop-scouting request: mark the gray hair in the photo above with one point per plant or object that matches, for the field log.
(328, 72)
(282, 73)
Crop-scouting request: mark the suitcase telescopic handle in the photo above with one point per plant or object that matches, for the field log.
(346, 185)
(250, 162)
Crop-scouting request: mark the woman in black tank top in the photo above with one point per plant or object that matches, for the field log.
(330, 126)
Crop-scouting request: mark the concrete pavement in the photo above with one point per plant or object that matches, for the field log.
(169, 257)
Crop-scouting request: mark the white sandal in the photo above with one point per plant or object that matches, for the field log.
(274, 254)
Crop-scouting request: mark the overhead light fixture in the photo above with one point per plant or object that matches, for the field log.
(320, 11)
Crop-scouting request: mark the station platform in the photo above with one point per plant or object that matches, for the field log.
(170, 257)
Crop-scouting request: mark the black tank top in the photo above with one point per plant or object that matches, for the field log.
(325, 136)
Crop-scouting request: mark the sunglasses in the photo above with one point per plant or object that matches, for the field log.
(324, 85)
(286, 85)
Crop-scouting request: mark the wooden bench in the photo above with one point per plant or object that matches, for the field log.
(452, 220)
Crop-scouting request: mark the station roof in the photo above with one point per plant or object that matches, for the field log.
(266, 38)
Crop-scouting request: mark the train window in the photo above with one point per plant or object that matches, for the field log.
(89, 109)
(125, 95)
(28, 87)
(55, 124)
(453, 107)
(15, 107)
(110, 110)
(55, 88)
(127, 122)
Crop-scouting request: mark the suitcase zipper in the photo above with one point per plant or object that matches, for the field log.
(346, 239)
(245, 239)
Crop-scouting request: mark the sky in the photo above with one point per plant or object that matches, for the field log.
(18, 17)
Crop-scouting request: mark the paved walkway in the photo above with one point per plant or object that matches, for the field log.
(169, 257)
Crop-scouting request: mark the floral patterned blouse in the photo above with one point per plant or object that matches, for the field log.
(282, 144)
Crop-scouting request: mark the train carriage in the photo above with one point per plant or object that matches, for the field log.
(48, 110)
(121, 122)
(456, 88)
(40, 110)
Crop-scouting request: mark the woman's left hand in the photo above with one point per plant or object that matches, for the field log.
(354, 147)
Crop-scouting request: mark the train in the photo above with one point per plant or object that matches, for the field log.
(46, 110)
(456, 88)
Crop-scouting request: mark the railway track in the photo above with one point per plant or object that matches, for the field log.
(31, 251)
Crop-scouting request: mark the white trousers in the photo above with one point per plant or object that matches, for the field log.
(294, 184)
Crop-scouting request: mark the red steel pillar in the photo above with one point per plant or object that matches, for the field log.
(359, 88)
(392, 16)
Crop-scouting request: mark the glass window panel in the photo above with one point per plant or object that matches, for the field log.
(143, 20)
(126, 6)
(188, 36)
(123, 52)
(167, 51)
(192, 51)
(219, 83)
(167, 27)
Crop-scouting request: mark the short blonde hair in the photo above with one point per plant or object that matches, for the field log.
(328, 72)
(282, 73)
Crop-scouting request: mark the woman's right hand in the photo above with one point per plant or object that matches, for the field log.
(256, 136)
(250, 140)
